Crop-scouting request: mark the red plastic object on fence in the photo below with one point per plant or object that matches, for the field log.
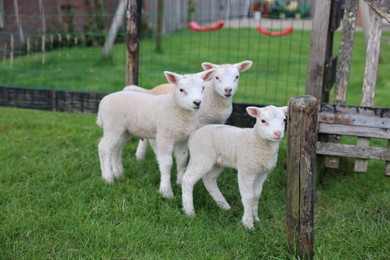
(196, 27)
(264, 31)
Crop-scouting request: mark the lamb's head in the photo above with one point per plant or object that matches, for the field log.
(270, 121)
(188, 90)
(226, 77)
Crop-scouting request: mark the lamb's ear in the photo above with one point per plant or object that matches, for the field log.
(172, 77)
(285, 110)
(207, 74)
(244, 65)
(208, 65)
(253, 111)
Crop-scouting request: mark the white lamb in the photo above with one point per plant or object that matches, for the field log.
(217, 102)
(170, 119)
(251, 151)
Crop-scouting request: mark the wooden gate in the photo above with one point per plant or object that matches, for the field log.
(310, 143)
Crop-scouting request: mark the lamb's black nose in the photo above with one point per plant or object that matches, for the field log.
(197, 102)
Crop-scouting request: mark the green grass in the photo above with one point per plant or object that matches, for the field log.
(54, 203)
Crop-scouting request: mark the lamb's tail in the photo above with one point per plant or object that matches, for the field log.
(99, 121)
(134, 88)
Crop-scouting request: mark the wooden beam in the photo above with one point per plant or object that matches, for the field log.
(133, 15)
(376, 153)
(354, 120)
(381, 7)
(359, 131)
(301, 166)
(370, 75)
(345, 52)
(318, 49)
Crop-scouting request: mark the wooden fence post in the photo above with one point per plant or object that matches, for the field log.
(133, 16)
(370, 75)
(301, 165)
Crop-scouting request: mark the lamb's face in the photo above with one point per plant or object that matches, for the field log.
(189, 92)
(226, 80)
(189, 88)
(227, 76)
(270, 121)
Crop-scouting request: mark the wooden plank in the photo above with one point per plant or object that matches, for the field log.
(376, 153)
(345, 52)
(355, 110)
(359, 131)
(387, 166)
(318, 50)
(372, 59)
(354, 120)
(370, 75)
(343, 66)
(301, 166)
(133, 16)
(381, 7)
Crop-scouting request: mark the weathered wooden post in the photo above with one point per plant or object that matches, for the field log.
(370, 74)
(343, 66)
(133, 16)
(301, 165)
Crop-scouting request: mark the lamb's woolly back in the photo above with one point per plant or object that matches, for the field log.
(158, 90)
(252, 151)
(167, 118)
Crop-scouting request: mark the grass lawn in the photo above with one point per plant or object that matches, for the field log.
(54, 203)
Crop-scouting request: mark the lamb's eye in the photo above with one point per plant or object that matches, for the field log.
(237, 77)
(202, 88)
(217, 77)
(182, 90)
(263, 121)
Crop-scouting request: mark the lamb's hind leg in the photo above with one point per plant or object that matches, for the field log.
(210, 182)
(141, 149)
(106, 149)
(117, 166)
(181, 155)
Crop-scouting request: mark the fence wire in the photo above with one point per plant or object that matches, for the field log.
(58, 45)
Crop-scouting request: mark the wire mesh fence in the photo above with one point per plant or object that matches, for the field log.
(58, 45)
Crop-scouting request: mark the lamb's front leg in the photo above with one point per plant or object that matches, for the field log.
(181, 155)
(164, 158)
(245, 184)
(258, 188)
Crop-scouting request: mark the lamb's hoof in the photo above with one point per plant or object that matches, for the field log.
(256, 218)
(224, 206)
(108, 180)
(118, 174)
(168, 194)
(247, 223)
(189, 213)
(140, 157)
